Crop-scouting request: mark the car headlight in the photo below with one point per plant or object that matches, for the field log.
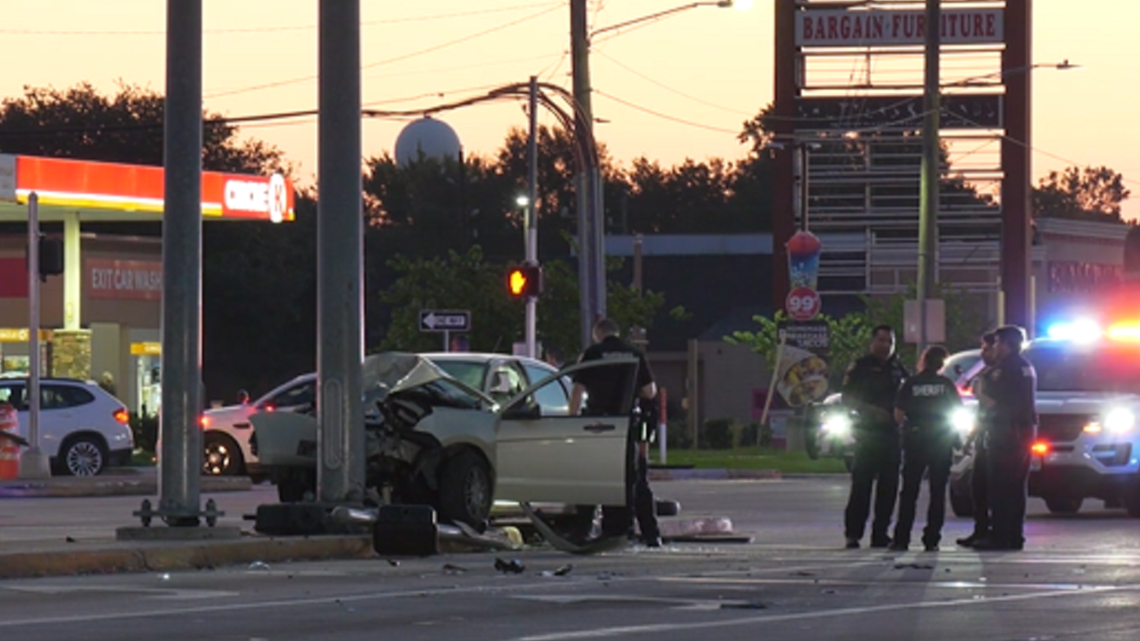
(1120, 419)
(838, 425)
(963, 420)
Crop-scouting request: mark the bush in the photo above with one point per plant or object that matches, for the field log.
(718, 434)
(677, 436)
(145, 430)
(755, 434)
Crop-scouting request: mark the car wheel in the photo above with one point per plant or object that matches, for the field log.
(1063, 505)
(466, 491)
(294, 484)
(961, 500)
(82, 456)
(221, 456)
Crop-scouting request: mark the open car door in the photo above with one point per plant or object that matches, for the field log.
(545, 455)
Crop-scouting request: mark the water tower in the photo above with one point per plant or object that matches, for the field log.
(430, 137)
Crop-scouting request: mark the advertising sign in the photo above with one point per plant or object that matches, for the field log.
(884, 28)
(124, 279)
(802, 376)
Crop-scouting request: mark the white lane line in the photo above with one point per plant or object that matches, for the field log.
(602, 633)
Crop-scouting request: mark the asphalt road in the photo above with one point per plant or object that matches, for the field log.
(1079, 578)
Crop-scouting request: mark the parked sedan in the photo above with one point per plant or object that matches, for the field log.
(227, 430)
(430, 437)
(83, 429)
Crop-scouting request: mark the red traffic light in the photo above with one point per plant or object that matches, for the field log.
(525, 281)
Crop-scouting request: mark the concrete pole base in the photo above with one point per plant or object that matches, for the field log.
(34, 464)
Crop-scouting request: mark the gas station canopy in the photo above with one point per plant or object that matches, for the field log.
(114, 192)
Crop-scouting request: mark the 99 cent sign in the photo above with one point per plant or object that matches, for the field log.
(803, 304)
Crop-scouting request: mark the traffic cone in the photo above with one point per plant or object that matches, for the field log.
(9, 450)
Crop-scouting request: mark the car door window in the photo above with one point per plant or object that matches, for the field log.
(13, 394)
(61, 397)
(295, 396)
(470, 373)
(506, 382)
(553, 399)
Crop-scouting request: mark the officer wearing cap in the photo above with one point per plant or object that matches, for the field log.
(1010, 397)
(869, 388)
(605, 389)
(979, 475)
(925, 405)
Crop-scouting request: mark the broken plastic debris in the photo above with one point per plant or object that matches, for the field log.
(748, 605)
(913, 566)
(394, 563)
(514, 566)
(560, 571)
(259, 565)
(453, 569)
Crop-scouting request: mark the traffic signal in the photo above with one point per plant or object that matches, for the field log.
(50, 257)
(525, 281)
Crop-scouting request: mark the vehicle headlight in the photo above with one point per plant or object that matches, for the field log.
(838, 425)
(963, 420)
(1120, 419)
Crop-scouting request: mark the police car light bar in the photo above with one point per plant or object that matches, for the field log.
(1082, 330)
(1127, 331)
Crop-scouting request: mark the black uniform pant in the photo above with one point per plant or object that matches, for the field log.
(980, 486)
(1010, 456)
(876, 468)
(923, 455)
(618, 520)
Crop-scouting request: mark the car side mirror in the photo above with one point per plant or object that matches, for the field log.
(243, 397)
(523, 412)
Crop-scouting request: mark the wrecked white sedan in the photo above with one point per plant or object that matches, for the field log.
(431, 438)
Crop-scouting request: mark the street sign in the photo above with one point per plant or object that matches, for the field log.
(803, 304)
(443, 320)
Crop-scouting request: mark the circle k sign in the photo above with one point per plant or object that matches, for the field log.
(258, 196)
(803, 303)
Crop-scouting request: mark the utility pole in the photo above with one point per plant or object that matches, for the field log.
(180, 461)
(588, 183)
(340, 256)
(34, 463)
(931, 171)
(531, 223)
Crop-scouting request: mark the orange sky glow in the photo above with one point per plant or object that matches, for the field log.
(669, 90)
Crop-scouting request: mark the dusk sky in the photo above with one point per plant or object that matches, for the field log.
(703, 72)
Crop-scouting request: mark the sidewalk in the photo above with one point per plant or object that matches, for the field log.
(68, 526)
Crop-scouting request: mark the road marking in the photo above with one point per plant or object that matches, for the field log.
(950, 585)
(154, 593)
(601, 633)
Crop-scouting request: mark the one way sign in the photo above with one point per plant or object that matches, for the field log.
(440, 320)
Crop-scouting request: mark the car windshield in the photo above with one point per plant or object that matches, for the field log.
(1110, 367)
(470, 373)
(962, 366)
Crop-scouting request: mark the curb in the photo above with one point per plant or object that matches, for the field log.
(712, 475)
(119, 485)
(197, 556)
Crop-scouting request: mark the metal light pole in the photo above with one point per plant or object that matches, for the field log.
(180, 460)
(931, 171)
(531, 222)
(589, 185)
(340, 259)
(33, 460)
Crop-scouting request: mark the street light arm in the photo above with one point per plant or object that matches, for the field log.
(658, 16)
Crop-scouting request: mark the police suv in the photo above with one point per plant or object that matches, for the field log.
(1088, 432)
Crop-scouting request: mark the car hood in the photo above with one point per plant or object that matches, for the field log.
(228, 410)
(401, 371)
(1081, 402)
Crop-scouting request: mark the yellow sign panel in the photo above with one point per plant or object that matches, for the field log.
(146, 349)
(20, 334)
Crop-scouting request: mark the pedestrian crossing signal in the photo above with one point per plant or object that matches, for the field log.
(525, 281)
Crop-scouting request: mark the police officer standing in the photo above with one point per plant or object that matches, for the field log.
(979, 479)
(925, 406)
(869, 388)
(1010, 397)
(605, 389)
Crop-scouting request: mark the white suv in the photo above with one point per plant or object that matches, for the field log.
(1088, 425)
(83, 429)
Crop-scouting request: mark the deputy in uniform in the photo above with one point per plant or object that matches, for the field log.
(979, 479)
(869, 388)
(605, 390)
(1010, 395)
(925, 406)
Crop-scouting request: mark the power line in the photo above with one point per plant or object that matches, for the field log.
(400, 58)
(283, 28)
(668, 88)
(675, 119)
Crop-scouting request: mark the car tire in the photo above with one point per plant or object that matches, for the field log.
(466, 490)
(83, 455)
(221, 456)
(1063, 505)
(294, 484)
